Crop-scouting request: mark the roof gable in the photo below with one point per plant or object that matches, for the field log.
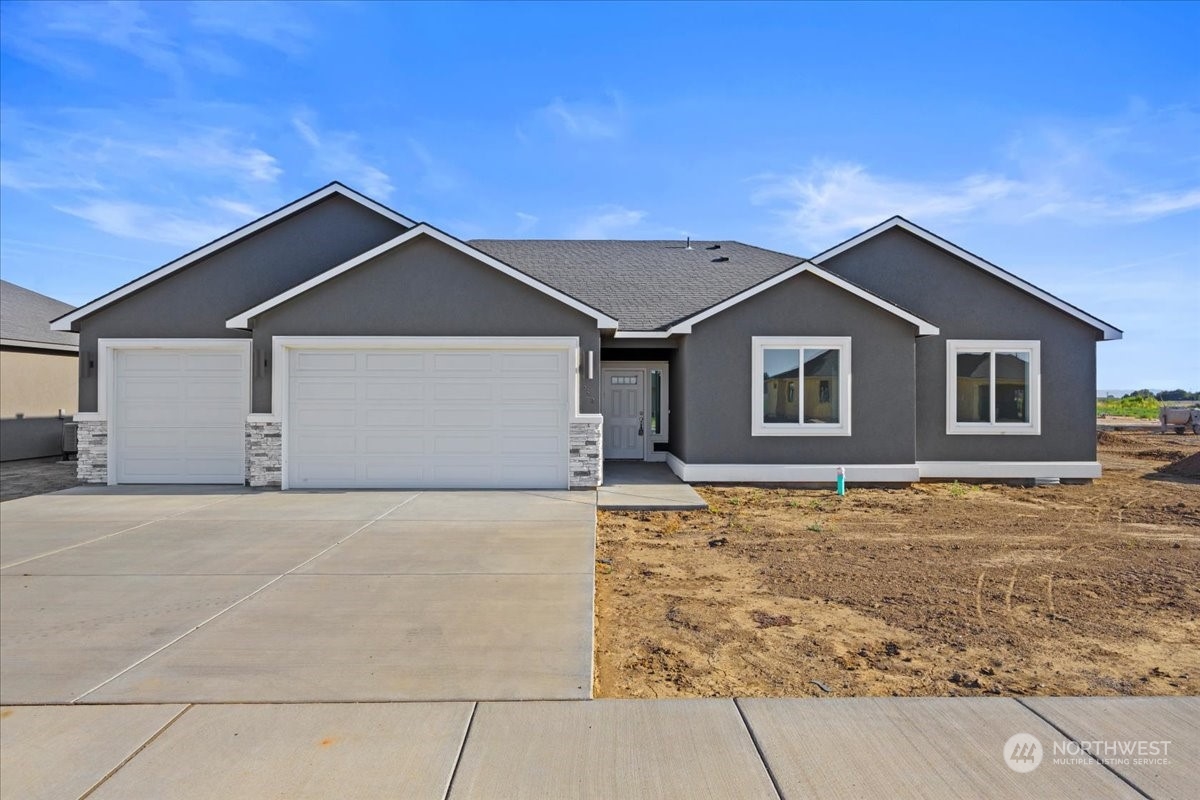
(243, 320)
(1108, 331)
(69, 320)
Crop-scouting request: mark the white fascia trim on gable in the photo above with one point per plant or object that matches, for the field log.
(422, 229)
(1109, 332)
(924, 328)
(65, 322)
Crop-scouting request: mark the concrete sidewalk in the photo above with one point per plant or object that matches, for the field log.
(645, 486)
(693, 749)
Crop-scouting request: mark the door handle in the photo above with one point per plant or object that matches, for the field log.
(641, 424)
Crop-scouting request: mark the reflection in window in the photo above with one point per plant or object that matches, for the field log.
(780, 367)
(821, 385)
(656, 401)
(992, 386)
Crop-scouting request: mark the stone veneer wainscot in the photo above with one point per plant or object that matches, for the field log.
(264, 452)
(585, 467)
(92, 463)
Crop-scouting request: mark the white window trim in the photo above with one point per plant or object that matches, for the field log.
(1031, 428)
(760, 428)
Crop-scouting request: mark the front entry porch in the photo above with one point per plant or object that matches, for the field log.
(642, 486)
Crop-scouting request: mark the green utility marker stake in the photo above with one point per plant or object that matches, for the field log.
(841, 473)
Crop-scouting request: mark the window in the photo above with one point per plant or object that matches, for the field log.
(801, 386)
(992, 387)
(655, 401)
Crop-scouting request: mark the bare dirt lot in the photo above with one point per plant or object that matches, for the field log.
(934, 589)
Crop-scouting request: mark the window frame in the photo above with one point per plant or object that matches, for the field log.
(760, 343)
(992, 346)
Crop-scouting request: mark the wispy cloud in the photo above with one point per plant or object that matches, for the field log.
(525, 223)
(146, 222)
(336, 157)
(588, 120)
(435, 175)
(63, 36)
(280, 26)
(606, 221)
(1084, 177)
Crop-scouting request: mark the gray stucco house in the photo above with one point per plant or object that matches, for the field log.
(336, 343)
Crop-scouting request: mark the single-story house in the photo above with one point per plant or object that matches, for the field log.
(38, 374)
(338, 343)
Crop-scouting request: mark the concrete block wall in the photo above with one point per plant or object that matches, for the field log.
(92, 466)
(264, 453)
(585, 467)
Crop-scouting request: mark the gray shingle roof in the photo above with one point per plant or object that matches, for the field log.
(25, 316)
(646, 285)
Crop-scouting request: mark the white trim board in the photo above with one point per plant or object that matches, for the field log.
(1108, 331)
(924, 327)
(791, 473)
(1009, 469)
(423, 229)
(67, 321)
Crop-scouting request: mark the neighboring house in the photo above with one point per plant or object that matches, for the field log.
(337, 343)
(39, 369)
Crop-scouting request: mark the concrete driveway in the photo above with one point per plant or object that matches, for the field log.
(175, 595)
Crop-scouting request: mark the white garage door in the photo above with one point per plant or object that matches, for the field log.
(179, 416)
(435, 418)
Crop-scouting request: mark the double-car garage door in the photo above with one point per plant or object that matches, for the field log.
(353, 417)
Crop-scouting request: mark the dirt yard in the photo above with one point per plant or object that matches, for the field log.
(935, 589)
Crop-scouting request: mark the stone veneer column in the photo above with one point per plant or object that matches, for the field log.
(585, 467)
(264, 452)
(92, 458)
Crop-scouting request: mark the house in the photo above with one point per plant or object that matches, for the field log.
(38, 374)
(338, 343)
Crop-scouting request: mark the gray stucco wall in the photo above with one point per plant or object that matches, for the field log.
(967, 303)
(424, 288)
(196, 301)
(712, 425)
(31, 437)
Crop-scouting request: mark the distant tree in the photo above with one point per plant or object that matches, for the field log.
(1178, 394)
(1141, 393)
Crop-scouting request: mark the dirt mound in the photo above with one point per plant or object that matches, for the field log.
(1188, 466)
(1108, 438)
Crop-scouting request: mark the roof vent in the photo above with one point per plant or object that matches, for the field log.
(689, 243)
(721, 258)
(713, 247)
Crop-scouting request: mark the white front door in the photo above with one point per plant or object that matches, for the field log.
(624, 410)
(427, 417)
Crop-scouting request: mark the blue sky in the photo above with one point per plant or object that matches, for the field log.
(1061, 142)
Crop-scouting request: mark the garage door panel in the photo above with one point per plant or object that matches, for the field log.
(327, 389)
(223, 363)
(324, 360)
(179, 416)
(394, 390)
(219, 389)
(544, 363)
(531, 391)
(154, 362)
(402, 417)
(400, 445)
(431, 419)
(394, 362)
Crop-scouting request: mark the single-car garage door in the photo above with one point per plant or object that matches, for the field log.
(427, 418)
(179, 415)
